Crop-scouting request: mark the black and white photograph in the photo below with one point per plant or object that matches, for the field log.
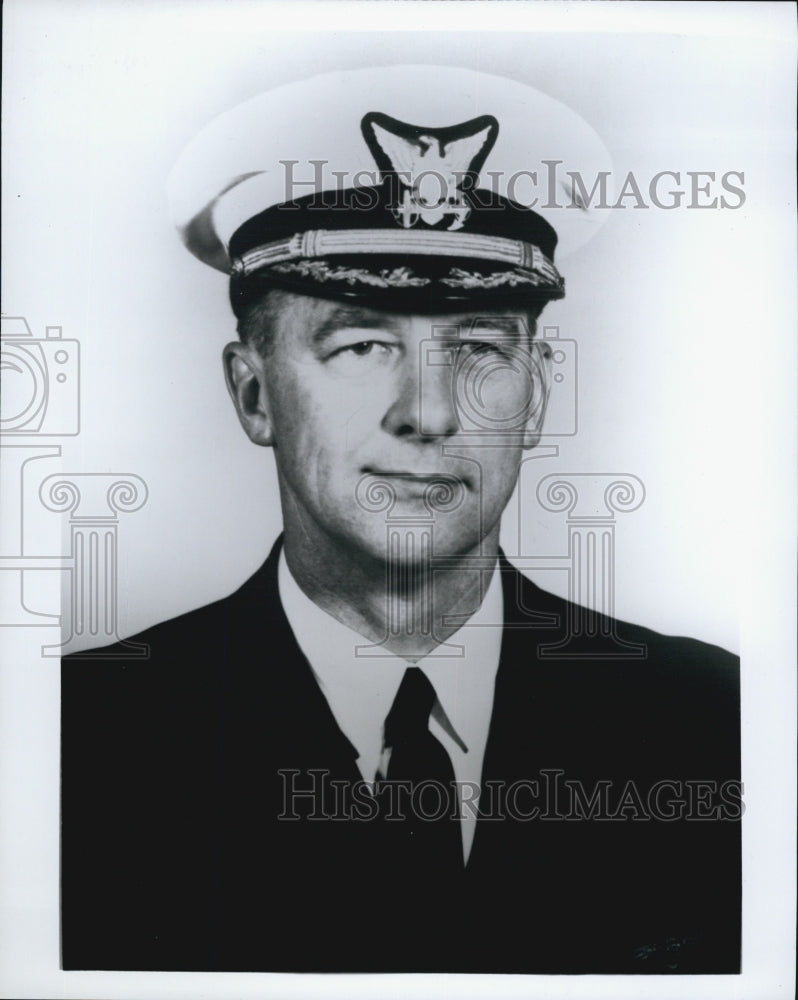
(397, 451)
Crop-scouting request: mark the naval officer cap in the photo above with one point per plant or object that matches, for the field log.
(405, 185)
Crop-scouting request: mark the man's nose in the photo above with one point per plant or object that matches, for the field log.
(424, 405)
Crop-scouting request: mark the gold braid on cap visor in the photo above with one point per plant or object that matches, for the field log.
(329, 242)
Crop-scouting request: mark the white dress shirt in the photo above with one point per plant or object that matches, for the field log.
(360, 687)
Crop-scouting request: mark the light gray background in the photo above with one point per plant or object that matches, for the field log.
(684, 321)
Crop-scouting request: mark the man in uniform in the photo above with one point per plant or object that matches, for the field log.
(364, 759)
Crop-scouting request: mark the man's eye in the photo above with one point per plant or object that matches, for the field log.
(361, 349)
(359, 356)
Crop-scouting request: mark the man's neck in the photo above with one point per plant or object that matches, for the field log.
(408, 608)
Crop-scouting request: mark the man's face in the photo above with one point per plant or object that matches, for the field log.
(378, 418)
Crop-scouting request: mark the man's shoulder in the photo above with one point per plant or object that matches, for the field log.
(563, 630)
(173, 680)
(172, 676)
(595, 673)
(200, 628)
(589, 679)
(214, 628)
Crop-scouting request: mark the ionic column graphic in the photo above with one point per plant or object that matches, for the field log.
(591, 500)
(94, 502)
(410, 551)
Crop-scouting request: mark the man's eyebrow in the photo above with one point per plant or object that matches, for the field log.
(351, 316)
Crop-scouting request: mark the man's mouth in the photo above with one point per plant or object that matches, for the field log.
(423, 478)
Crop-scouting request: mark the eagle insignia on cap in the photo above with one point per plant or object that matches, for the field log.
(433, 166)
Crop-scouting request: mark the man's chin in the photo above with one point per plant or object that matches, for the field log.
(414, 543)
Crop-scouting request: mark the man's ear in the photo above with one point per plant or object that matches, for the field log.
(540, 372)
(244, 374)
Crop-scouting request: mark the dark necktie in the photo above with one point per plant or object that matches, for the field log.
(423, 817)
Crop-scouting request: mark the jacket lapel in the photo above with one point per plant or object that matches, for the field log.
(271, 682)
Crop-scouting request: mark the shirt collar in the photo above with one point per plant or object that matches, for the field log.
(360, 679)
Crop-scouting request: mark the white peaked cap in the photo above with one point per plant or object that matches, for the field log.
(238, 165)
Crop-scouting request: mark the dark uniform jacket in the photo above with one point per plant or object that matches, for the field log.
(608, 838)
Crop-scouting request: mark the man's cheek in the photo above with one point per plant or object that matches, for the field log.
(496, 404)
(360, 418)
(497, 477)
(510, 399)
